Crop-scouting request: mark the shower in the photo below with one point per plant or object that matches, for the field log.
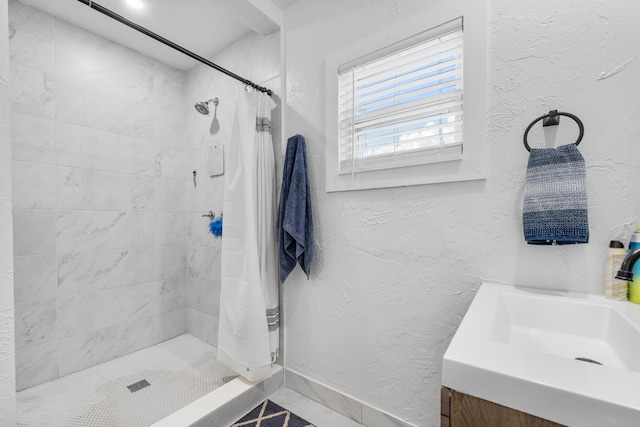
(123, 268)
(203, 107)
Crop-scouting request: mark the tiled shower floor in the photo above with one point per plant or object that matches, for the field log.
(179, 371)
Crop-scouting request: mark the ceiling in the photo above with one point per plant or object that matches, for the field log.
(202, 26)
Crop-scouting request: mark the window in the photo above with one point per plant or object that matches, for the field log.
(407, 106)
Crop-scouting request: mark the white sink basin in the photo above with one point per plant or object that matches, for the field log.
(518, 347)
(563, 326)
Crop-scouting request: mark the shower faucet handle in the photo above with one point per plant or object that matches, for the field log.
(209, 215)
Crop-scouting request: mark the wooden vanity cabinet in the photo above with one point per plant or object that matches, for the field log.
(462, 410)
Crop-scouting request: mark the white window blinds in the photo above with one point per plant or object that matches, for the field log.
(402, 105)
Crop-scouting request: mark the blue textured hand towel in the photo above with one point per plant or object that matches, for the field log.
(555, 197)
(295, 220)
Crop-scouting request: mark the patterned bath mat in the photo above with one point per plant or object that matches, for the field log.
(268, 414)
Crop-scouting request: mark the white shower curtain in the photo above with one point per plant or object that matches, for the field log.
(249, 313)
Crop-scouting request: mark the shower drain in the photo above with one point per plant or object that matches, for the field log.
(138, 386)
(586, 359)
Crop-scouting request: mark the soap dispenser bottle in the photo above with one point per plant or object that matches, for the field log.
(634, 286)
(615, 289)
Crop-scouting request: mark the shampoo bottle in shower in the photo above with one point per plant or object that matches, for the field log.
(634, 286)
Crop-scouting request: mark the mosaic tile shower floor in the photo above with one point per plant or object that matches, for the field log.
(179, 371)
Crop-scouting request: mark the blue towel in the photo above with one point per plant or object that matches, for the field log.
(555, 197)
(295, 221)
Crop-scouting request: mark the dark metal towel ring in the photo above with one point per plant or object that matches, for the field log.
(552, 119)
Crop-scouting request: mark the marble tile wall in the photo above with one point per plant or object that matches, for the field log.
(99, 181)
(257, 58)
(7, 309)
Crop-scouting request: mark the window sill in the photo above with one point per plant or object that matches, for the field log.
(435, 173)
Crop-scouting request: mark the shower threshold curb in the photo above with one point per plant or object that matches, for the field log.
(226, 404)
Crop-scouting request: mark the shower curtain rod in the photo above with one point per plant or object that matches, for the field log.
(111, 14)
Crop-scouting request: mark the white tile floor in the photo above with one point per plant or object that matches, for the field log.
(315, 413)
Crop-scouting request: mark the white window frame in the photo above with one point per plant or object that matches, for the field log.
(472, 164)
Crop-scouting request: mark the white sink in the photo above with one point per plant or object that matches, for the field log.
(518, 347)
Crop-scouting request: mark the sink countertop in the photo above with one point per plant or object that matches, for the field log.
(517, 346)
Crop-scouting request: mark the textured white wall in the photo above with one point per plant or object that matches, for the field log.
(7, 346)
(396, 269)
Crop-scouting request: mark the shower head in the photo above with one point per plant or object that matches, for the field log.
(203, 107)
